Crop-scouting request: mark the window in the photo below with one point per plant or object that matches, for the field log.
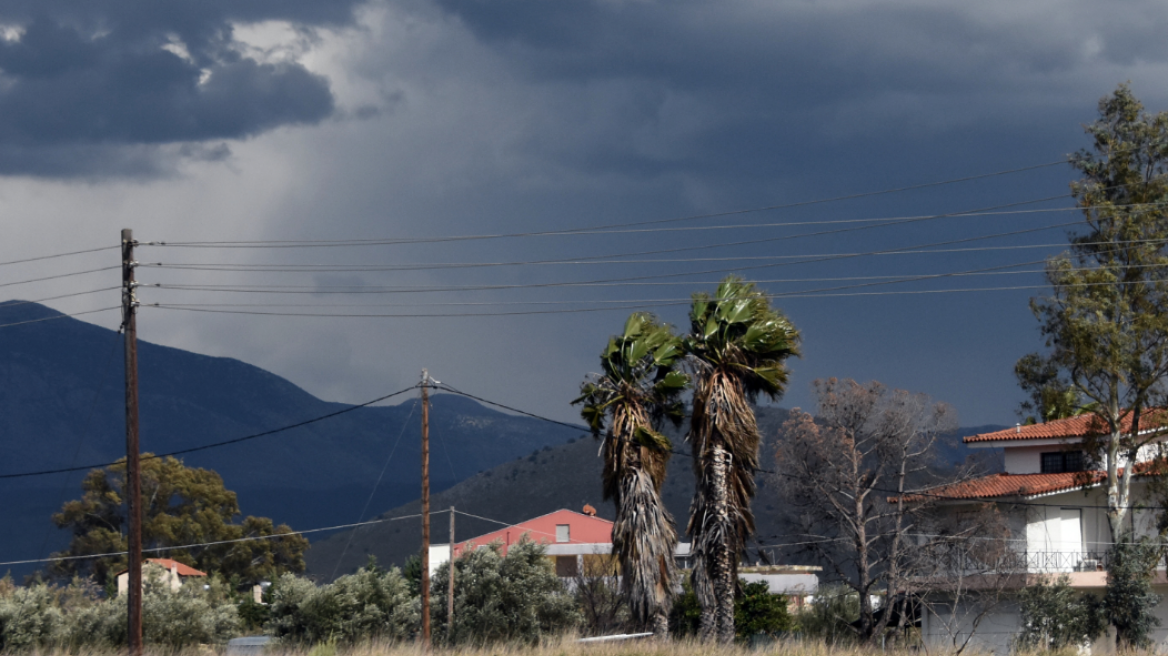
(1058, 462)
(563, 533)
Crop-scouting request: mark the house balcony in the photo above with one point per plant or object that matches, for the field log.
(1025, 562)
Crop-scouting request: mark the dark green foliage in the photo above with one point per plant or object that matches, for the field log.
(830, 615)
(412, 571)
(1128, 600)
(686, 618)
(756, 611)
(1054, 616)
(180, 505)
(516, 598)
(370, 604)
(253, 616)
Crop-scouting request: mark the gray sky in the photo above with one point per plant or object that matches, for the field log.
(312, 120)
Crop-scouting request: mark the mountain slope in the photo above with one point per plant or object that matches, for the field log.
(61, 405)
(565, 476)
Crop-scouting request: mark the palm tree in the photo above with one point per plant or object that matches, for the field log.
(626, 404)
(737, 346)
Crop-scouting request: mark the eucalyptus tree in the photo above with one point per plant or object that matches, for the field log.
(738, 346)
(625, 406)
(1106, 318)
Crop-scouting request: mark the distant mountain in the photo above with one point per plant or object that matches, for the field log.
(565, 476)
(61, 405)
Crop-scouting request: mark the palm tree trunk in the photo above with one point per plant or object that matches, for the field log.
(714, 577)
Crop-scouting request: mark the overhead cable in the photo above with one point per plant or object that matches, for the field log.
(56, 255)
(60, 275)
(300, 290)
(250, 538)
(213, 445)
(58, 316)
(357, 242)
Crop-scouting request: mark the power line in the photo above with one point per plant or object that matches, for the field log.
(285, 290)
(251, 538)
(989, 271)
(213, 445)
(59, 275)
(596, 259)
(56, 255)
(376, 484)
(56, 316)
(630, 305)
(356, 242)
(327, 289)
(446, 387)
(753, 242)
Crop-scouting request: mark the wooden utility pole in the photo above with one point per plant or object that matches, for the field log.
(425, 509)
(450, 583)
(133, 486)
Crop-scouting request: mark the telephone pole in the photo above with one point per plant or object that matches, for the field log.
(450, 586)
(425, 509)
(133, 487)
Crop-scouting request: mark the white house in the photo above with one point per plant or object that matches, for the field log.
(170, 572)
(1055, 506)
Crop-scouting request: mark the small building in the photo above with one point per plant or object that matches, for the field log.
(170, 572)
(574, 541)
(798, 583)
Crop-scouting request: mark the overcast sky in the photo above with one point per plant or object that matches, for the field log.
(249, 120)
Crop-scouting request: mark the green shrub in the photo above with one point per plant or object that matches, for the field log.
(1054, 616)
(370, 604)
(1129, 600)
(181, 618)
(830, 615)
(756, 611)
(516, 598)
(686, 617)
(30, 617)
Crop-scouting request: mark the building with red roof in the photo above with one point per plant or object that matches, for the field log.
(1053, 495)
(170, 572)
(572, 540)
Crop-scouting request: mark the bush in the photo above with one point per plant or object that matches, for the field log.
(176, 619)
(685, 619)
(1128, 600)
(370, 604)
(756, 611)
(512, 598)
(30, 617)
(830, 615)
(1054, 616)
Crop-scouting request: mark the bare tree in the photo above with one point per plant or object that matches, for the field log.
(853, 479)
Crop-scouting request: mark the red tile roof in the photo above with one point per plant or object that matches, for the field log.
(1018, 485)
(1071, 427)
(1025, 485)
(183, 570)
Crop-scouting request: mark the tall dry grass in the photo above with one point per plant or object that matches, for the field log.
(564, 646)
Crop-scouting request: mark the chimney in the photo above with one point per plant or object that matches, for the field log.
(1017, 428)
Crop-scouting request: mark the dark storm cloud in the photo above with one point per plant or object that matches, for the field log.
(94, 88)
(726, 90)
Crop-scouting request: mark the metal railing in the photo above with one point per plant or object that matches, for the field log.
(1023, 562)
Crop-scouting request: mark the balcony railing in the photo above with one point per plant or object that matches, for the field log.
(1028, 562)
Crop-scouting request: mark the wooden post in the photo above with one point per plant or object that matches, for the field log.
(425, 509)
(133, 486)
(450, 586)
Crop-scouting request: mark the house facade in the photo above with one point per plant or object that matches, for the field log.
(1055, 505)
(170, 572)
